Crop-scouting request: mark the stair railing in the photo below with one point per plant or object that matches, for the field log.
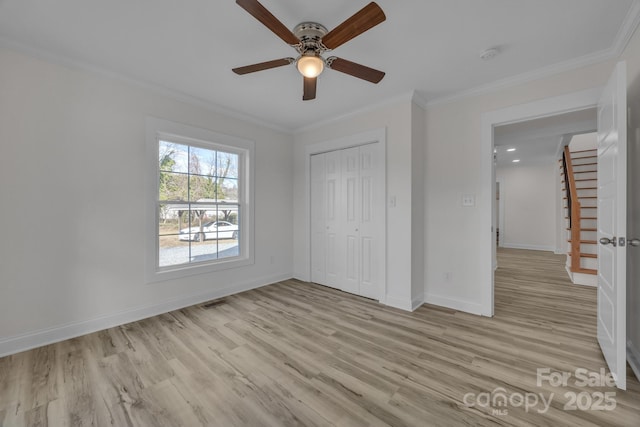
(573, 208)
(567, 186)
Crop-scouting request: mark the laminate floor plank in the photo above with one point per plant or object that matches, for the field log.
(147, 359)
(77, 389)
(300, 354)
(213, 401)
(12, 416)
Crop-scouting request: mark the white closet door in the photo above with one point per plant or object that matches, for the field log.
(369, 227)
(334, 250)
(350, 213)
(346, 229)
(318, 227)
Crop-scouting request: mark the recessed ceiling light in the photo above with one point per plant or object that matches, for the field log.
(511, 149)
(516, 161)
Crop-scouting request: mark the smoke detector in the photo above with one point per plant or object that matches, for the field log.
(489, 54)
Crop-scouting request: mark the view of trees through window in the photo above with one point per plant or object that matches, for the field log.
(198, 209)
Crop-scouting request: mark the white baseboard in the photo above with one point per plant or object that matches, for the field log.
(585, 279)
(529, 247)
(416, 303)
(633, 357)
(582, 278)
(456, 304)
(405, 304)
(27, 341)
(568, 269)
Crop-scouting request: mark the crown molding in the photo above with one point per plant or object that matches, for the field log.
(152, 87)
(626, 31)
(419, 100)
(629, 26)
(527, 77)
(405, 97)
(413, 97)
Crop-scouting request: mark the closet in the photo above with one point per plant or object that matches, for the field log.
(346, 220)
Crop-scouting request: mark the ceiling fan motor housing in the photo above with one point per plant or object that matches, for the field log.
(310, 35)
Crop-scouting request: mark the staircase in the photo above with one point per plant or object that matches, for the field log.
(579, 173)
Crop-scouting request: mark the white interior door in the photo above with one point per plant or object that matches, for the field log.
(612, 222)
(346, 220)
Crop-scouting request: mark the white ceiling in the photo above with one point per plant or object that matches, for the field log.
(431, 47)
(540, 140)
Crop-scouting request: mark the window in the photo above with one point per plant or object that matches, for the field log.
(201, 200)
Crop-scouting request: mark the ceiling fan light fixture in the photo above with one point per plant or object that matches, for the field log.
(310, 65)
(311, 40)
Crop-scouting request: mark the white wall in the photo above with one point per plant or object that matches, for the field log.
(458, 235)
(73, 205)
(530, 205)
(396, 118)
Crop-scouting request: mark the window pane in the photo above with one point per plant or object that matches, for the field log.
(228, 213)
(202, 189)
(201, 218)
(204, 250)
(229, 232)
(228, 190)
(227, 165)
(202, 161)
(172, 251)
(171, 218)
(173, 186)
(173, 157)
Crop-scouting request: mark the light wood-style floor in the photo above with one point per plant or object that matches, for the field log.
(301, 354)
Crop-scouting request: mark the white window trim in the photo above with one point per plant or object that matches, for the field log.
(157, 129)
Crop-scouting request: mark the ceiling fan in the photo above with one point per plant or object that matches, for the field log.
(311, 40)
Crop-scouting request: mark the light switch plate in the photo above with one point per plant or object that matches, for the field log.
(468, 200)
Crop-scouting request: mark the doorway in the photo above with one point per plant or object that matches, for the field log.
(536, 110)
(530, 213)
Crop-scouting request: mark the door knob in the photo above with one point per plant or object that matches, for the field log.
(607, 241)
(634, 242)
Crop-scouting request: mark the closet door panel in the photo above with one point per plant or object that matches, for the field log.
(318, 227)
(370, 226)
(351, 218)
(335, 249)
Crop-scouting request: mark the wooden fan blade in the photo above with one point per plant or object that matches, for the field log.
(259, 12)
(263, 66)
(367, 18)
(310, 84)
(356, 70)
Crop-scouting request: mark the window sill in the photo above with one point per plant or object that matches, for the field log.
(185, 270)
